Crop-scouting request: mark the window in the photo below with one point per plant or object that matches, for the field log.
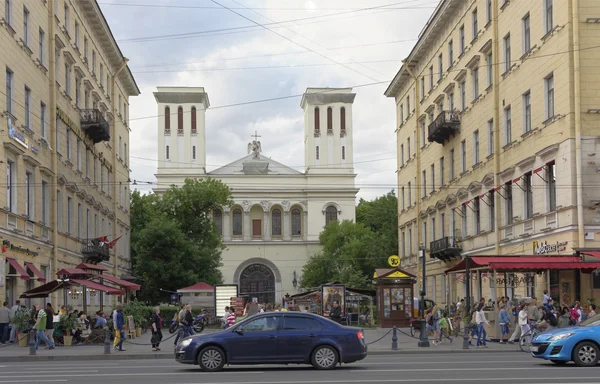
(77, 35)
(296, 222)
(442, 224)
(461, 39)
(442, 181)
(409, 194)
(548, 16)
(45, 203)
(401, 154)
(194, 127)
(440, 66)
(301, 324)
(507, 126)
(167, 152)
(475, 26)
(317, 120)
(422, 131)
(507, 60)
(424, 182)
(56, 64)
(452, 166)
(317, 152)
(95, 172)
(59, 207)
(77, 91)
(237, 222)
(432, 175)
(489, 67)
(11, 186)
(67, 19)
(264, 324)
(25, 26)
(453, 223)
(87, 163)
(343, 152)
(329, 119)
(422, 93)
(8, 12)
(475, 84)
(527, 112)
(408, 148)
(57, 131)
(451, 102)
(78, 154)
(402, 196)
(120, 194)
(551, 181)
(509, 203)
(85, 49)
(9, 91)
(490, 125)
(424, 232)
(431, 78)
(101, 76)
(477, 215)
(401, 111)
(433, 234)
(87, 223)
(193, 152)
(42, 48)
(218, 220)
(69, 215)
(93, 61)
(180, 120)
(403, 245)
(343, 120)
(68, 144)
(463, 96)
(450, 53)
(408, 106)
(410, 239)
(167, 119)
(276, 222)
(331, 214)
(463, 156)
(528, 195)
(488, 11)
(79, 221)
(492, 210)
(29, 195)
(526, 34)
(27, 111)
(67, 79)
(476, 147)
(549, 96)
(86, 99)
(464, 223)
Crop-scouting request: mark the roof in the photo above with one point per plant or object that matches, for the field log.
(392, 273)
(247, 165)
(201, 286)
(92, 267)
(525, 263)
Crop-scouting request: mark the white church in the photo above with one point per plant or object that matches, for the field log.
(278, 213)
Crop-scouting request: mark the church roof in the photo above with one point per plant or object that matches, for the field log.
(247, 165)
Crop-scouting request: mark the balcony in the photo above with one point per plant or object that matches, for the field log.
(445, 249)
(444, 126)
(94, 251)
(94, 125)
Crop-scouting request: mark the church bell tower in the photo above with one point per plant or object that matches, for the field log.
(328, 147)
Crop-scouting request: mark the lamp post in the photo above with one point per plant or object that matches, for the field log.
(423, 340)
(64, 280)
(467, 299)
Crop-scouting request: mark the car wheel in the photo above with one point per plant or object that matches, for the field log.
(559, 362)
(586, 354)
(324, 357)
(211, 359)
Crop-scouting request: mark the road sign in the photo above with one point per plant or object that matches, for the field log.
(394, 261)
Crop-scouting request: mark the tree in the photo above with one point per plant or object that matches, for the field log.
(381, 215)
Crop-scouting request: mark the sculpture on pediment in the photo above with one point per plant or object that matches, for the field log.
(286, 205)
(265, 205)
(304, 205)
(246, 205)
(254, 146)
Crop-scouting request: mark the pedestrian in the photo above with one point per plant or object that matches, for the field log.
(481, 323)
(117, 333)
(592, 311)
(548, 320)
(563, 319)
(156, 329)
(49, 331)
(13, 313)
(504, 321)
(517, 333)
(336, 312)
(445, 328)
(545, 298)
(231, 317)
(224, 319)
(575, 314)
(4, 322)
(120, 327)
(40, 328)
(179, 318)
(188, 329)
(524, 319)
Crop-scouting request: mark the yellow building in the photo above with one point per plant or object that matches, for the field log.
(497, 133)
(64, 126)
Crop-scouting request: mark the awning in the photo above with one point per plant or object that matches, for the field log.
(20, 270)
(36, 272)
(71, 271)
(125, 284)
(43, 290)
(98, 287)
(592, 253)
(93, 267)
(526, 263)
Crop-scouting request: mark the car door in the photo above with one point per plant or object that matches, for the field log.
(297, 337)
(254, 340)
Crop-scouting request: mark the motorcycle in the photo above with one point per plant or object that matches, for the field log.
(197, 325)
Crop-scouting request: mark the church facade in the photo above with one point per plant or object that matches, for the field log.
(273, 226)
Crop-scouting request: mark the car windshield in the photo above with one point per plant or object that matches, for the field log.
(592, 322)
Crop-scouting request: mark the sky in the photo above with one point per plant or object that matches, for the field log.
(244, 51)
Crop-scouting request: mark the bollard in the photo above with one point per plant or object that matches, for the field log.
(394, 339)
(107, 343)
(31, 344)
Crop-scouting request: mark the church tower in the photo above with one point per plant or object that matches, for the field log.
(181, 131)
(328, 147)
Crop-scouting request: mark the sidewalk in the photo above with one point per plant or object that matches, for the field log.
(140, 348)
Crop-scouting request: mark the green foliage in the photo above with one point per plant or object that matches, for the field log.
(381, 216)
(140, 312)
(21, 319)
(174, 241)
(68, 322)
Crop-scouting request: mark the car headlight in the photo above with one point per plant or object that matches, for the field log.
(562, 336)
(185, 343)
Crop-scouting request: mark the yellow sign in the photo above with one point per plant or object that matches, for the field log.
(397, 274)
(394, 261)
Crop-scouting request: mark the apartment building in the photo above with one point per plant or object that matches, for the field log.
(497, 115)
(65, 132)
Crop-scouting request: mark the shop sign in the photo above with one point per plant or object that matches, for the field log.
(513, 281)
(2, 271)
(16, 248)
(543, 248)
(17, 136)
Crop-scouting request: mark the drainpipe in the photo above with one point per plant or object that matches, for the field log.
(577, 105)
(497, 146)
(114, 144)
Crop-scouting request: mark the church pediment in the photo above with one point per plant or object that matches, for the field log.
(250, 165)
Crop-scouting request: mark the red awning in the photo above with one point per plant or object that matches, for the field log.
(520, 263)
(43, 290)
(36, 272)
(92, 267)
(20, 270)
(585, 267)
(71, 271)
(98, 287)
(594, 254)
(123, 283)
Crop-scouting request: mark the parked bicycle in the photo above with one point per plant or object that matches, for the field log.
(526, 339)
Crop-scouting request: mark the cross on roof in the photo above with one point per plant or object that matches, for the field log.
(255, 136)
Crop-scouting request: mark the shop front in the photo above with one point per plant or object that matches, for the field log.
(20, 269)
(395, 297)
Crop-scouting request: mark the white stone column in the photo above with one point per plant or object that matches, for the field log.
(247, 227)
(226, 226)
(266, 225)
(286, 226)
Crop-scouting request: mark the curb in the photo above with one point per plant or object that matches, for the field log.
(428, 351)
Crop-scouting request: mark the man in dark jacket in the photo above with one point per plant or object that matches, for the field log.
(336, 312)
(120, 327)
(49, 332)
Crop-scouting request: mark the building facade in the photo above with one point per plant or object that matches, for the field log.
(64, 99)
(497, 115)
(273, 226)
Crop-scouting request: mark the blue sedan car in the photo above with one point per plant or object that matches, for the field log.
(275, 338)
(580, 344)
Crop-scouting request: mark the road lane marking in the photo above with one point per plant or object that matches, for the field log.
(468, 369)
(191, 372)
(445, 362)
(80, 371)
(43, 381)
(440, 380)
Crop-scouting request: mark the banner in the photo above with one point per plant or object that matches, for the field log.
(331, 293)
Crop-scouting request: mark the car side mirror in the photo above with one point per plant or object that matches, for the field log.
(239, 330)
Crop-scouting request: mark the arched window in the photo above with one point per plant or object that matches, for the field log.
(343, 121)
(317, 152)
(179, 120)
(193, 119)
(296, 222)
(276, 222)
(329, 120)
(343, 153)
(167, 152)
(317, 120)
(193, 152)
(218, 220)
(331, 214)
(237, 222)
(167, 119)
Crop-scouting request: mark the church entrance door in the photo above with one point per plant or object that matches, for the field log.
(258, 281)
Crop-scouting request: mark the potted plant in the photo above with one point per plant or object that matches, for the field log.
(66, 324)
(21, 321)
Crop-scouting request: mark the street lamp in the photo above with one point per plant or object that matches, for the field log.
(423, 341)
(467, 299)
(65, 281)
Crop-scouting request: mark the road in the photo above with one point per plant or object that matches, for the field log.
(492, 368)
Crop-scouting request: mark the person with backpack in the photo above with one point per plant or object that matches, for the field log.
(548, 321)
(575, 314)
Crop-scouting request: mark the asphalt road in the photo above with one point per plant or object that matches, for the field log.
(491, 368)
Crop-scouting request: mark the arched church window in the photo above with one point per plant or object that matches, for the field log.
(276, 222)
(343, 119)
(194, 120)
(179, 120)
(167, 119)
(329, 120)
(167, 152)
(193, 152)
(317, 152)
(343, 152)
(296, 222)
(331, 214)
(237, 222)
(317, 120)
(218, 220)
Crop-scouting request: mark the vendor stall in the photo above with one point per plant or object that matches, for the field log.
(395, 294)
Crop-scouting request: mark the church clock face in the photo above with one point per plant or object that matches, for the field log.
(258, 281)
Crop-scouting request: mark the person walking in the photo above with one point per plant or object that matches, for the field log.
(4, 322)
(40, 328)
(524, 319)
(49, 331)
(156, 329)
(120, 327)
(13, 313)
(504, 321)
(481, 323)
(117, 333)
